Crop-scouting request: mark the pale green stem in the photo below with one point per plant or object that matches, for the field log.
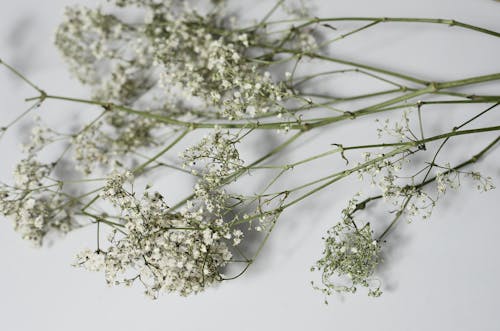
(448, 22)
(140, 168)
(401, 148)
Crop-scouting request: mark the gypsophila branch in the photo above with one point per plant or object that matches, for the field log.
(179, 79)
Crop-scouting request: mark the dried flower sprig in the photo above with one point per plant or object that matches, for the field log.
(178, 70)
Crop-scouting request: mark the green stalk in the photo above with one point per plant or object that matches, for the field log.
(401, 148)
(441, 21)
(140, 168)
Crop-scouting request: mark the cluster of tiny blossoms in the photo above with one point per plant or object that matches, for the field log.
(34, 202)
(89, 149)
(105, 53)
(216, 154)
(451, 178)
(209, 61)
(410, 194)
(34, 208)
(112, 137)
(173, 46)
(116, 60)
(211, 71)
(350, 257)
(406, 195)
(169, 251)
(123, 61)
(351, 253)
(40, 137)
(166, 251)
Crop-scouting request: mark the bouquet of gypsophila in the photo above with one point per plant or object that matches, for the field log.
(181, 90)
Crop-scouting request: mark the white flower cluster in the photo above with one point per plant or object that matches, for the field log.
(404, 192)
(206, 59)
(90, 149)
(174, 252)
(349, 260)
(219, 158)
(304, 40)
(133, 133)
(216, 153)
(113, 136)
(406, 195)
(40, 137)
(90, 260)
(102, 51)
(397, 129)
(83, 39)
(34, 210)
(213, 66)
(30, 173)
(409, 195)
(450, 178)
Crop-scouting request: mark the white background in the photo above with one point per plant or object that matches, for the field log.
(441, 275)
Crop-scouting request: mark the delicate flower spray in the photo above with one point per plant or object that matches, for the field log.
(180, 70)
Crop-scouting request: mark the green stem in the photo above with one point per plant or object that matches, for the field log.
(448, 22)
(140, 168)
(342, 36)
(395, 220)
(441, 102)
(271, 12)
(22, 77)
(347, 62)
(338, 176)
(401, 148)
(426, 140)
(431, 88)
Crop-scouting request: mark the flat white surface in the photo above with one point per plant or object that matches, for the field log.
(441, 275)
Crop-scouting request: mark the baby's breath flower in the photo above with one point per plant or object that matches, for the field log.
(30, 173)
(90, 260)
(90, 149)
(34, 211)
(173, 252)
(349, 260)
(214, 67)
(174, 70)
(40, 137)
(91, 41)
